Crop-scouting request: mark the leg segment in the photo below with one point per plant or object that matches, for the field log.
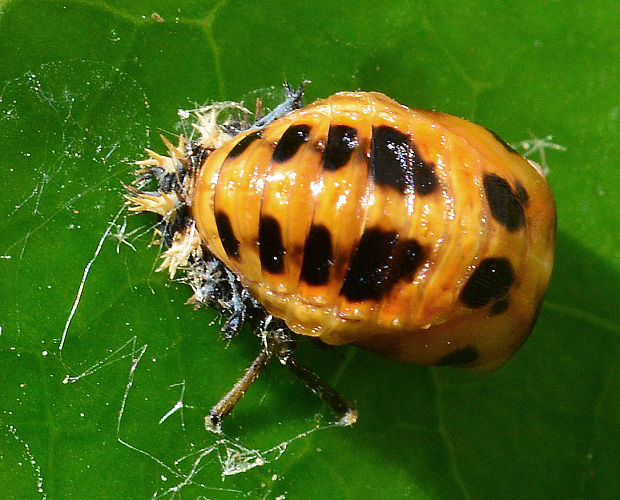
(291, 103)
(323, 390)
(214, 419)
(279, 343)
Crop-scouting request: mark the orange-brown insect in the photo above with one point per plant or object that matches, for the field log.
(411, 233)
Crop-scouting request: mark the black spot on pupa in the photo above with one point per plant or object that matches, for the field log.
(318, 256)
(292, 139)
(463, 356)
(505, 205)
(499, 307)
(491, 280)
(227, 235)
(270, 246)
(394, 162)
(410, 255)
(502, 142)
(341, 142)
(524, 198)
(243, 144)
(425, 180)
(369, 270)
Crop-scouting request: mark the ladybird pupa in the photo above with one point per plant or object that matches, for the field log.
(356, 220)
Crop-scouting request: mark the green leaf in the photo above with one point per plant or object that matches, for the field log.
(96, 348)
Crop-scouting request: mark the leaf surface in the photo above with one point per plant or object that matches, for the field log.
(105, 374)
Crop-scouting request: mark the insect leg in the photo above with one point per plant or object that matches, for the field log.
(214, 419)
(318, 386)
(279, 343)
(323, 390)
(276, 340)
(290, 104)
